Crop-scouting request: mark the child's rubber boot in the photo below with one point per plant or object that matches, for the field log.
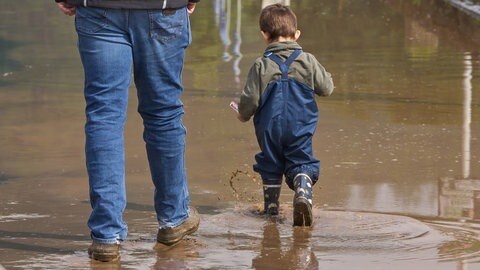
(302, 201)
(271, 195)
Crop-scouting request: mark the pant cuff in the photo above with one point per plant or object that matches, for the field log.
(107, 241)
(312, 172)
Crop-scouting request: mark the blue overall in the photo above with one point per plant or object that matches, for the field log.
(285, 122)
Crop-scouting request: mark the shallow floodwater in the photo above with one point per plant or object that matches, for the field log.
(398, 141)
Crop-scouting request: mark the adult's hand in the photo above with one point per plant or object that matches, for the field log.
(67, 9)
(191, 8)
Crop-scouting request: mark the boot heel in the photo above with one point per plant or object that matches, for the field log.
(271, 194)
(302, 201)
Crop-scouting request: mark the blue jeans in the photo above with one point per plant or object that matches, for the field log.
(153, 42)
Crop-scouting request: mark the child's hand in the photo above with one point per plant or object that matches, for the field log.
(234, 107)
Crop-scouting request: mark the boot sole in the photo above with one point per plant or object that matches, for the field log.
(302, 213)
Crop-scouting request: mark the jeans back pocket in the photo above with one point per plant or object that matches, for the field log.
(167, 25)
(90, 20)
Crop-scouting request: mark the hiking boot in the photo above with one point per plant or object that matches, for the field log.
(104, 252)
(271, 194)
(302, 201)
(169, 236)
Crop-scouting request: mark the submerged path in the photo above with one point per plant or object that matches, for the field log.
(242, 238)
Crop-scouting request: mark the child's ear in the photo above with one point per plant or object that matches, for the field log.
(265, 36)
(297, 34)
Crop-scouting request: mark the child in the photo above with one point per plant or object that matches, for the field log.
(280, 94)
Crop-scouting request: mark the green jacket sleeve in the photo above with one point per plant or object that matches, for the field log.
(322, 80)
(251, 93)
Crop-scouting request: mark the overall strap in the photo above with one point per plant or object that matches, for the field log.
(284, 66)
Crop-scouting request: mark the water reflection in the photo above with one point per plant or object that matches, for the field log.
(467, 115)
(421, 42)
(464, 248)
(297, 254)
(404, 114)
(223, 16)
(223, 11)
(3, 177)
(7, 65)
(271, 2)
(176, 257)
(459, 199)
(96, 265)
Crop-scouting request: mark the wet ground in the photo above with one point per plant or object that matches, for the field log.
(398, 141)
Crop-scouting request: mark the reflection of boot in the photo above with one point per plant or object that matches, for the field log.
(302, 202)
(270, 256)
(99, 265)
(303, 256)
(271, 194)
(177, 256)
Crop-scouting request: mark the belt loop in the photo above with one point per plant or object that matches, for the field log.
(164, 4)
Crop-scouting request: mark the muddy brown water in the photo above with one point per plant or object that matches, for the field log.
(398, 141)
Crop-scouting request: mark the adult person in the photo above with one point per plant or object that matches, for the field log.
(148, 37)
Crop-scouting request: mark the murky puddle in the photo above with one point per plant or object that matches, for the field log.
(398, 142)
(240, 238)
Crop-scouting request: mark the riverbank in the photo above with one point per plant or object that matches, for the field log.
(472, 8)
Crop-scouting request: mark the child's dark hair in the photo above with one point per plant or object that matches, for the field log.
(278, 21)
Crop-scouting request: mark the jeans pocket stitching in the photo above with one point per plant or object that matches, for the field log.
(173, 29)
(100, 20)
